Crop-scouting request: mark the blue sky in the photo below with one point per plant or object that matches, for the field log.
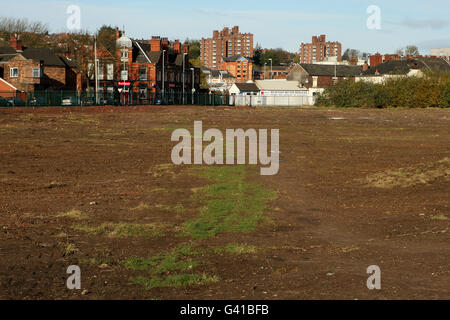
(284, 23)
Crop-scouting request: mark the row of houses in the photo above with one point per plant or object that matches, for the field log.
(30, 69)
(305, 81)
(139, 71)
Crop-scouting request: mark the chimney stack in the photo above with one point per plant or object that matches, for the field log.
(16, 43)
(177, 47)
(155, 44)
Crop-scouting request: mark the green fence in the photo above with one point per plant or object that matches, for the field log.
(88, 98)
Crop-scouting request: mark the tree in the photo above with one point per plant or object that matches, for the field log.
(350, 54)
(194, 48)
(411, 50)
(106, 37)
(197, 63)
(278, 56)
(400, 52)
(32, 33)
(257, 53)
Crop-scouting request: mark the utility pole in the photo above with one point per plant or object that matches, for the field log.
(271, 68)
(163, 71)
(193, 88)
(184, 68)
(265, 63)
(95, 69)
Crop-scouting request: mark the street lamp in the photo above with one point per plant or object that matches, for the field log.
(184, 59)
(270, 68)
(265, 63)
(193, 89)
(163, 76)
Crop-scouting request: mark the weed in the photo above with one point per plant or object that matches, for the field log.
(73, 214)
(123, 229)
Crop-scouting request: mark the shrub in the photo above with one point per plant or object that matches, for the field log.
(431, 90)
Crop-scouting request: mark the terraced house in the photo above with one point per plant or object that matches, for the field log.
(31, 69)
(140, 71)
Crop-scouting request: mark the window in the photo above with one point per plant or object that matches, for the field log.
(110, 92)
(100, 71)
(142, 73)
(90, 70)
(124, 75)
(36, 72)
(14, 72)
(110, 71)
(124, 54)
(142, 93)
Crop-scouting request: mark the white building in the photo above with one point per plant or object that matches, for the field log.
(218, 80)
(441, 53)
(270, 93)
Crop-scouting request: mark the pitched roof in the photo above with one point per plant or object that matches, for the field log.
(68, 62)
(247, 87)
(329, 70)
(6, 57)
(7, 50)
(402, 67)
(43, 54)
(154, 56)
(279, 85)
(227, 75)
(235, 58)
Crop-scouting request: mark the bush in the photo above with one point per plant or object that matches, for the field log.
(432, 90)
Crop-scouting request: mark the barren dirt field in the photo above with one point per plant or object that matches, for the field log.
(95, 187)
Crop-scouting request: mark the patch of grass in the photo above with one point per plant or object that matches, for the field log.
(163, 269)
(411, 176)
(94, 261)
(160, 170)
(229, 205)
(73, 214)
(176, 280)
(237, 248)
(69, 248)
(176, 259)
(143, 206)
(440, 217)
(142, 263)
(123, 229)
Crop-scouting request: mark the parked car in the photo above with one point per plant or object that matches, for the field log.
(3, 102)
(37, 101)
(68, 101)
(14, 101)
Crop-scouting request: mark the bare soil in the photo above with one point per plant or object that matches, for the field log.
(356, 187)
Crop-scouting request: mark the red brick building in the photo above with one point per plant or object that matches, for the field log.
(319, 50)
(30, 69)
(6, 89)
(378, 59)
(224, 44)
(141, 71)
(239, 67)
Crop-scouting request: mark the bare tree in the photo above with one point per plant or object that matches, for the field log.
(411, 50)
(32, 33)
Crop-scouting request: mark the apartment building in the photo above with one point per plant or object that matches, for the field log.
(319, 50)
(224, 44)
(239, 67)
